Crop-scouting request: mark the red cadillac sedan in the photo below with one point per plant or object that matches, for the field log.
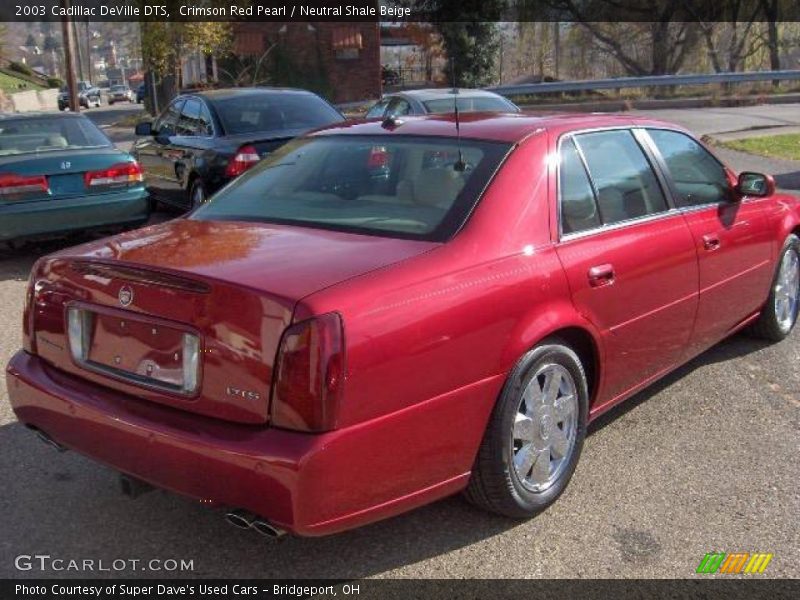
(379, 315)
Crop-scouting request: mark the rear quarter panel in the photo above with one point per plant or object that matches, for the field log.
(435, 336)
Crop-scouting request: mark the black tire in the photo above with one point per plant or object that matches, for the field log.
(197, 187)
(769, 326)
(495, 484)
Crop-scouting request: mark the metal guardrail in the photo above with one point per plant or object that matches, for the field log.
(647, 81)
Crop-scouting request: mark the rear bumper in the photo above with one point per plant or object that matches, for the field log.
(42, 217)
(308, 484)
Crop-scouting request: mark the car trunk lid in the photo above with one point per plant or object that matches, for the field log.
(125, 312)
(64, 171)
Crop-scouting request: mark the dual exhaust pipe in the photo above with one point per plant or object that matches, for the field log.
(246, 520)
(134, 488)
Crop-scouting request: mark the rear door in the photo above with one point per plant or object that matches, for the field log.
(628, 255)
(731, 237)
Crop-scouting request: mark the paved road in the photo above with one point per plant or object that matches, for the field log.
(703, 461)
(711, 121)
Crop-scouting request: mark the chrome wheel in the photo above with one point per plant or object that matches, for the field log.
(545, 427)
(787, 290)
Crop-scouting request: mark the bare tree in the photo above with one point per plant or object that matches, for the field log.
(650, 25)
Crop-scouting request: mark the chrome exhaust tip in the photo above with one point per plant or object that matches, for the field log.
(240, 518)
(267, 529)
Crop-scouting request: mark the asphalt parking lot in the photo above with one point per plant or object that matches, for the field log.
(704, 461)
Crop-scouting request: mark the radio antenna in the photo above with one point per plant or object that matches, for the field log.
(460, 166)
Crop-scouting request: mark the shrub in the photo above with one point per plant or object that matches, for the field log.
(20, 68)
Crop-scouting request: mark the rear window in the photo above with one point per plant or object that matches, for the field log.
(398, 186)
(467, 104)
(267, 112)
(47, 134)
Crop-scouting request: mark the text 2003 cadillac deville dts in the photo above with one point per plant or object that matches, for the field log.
(379, 315)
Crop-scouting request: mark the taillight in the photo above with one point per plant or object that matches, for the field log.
(119, 174)
(309, 379)
(245, 157)
(18, 185)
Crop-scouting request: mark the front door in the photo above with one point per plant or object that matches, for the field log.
(628, 255)
(152, 152)
(731, 236)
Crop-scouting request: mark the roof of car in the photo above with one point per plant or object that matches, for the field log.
(444, 93)
(225, 93)
(502, 127)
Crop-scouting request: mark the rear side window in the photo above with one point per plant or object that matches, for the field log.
(627, 187)
(578, 206)
(698, 177)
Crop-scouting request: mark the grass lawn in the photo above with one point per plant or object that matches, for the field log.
(774, 146)
(10, 84)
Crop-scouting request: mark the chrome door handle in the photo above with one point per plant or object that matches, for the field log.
(711, 242)
(601, 275)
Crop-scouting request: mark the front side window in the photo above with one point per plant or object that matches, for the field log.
(698, 177)
(189, 122)
(168, 120)
(398, 186)
(627, 187)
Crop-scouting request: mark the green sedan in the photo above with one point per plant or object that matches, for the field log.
(59, 173)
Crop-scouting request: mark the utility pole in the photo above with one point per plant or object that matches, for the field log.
(66, 34)
(89, 52)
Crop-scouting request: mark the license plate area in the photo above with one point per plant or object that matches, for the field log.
(134, 349)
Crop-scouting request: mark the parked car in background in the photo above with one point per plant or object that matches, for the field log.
(60, 173)
(203, 140)
(440, 101)
(141, 92)
(120, 93)
(88, 96)
(376, 317)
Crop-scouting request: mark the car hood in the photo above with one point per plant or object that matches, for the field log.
(291, 262)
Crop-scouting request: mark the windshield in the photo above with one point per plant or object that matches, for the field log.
(468, 104)
(270, 111)
(118, 88)
(400, 186)
(28, 135)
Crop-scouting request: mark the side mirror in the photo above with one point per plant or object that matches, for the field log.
(755, 184)
(144, 128)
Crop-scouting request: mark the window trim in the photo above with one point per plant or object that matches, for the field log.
(654, 165)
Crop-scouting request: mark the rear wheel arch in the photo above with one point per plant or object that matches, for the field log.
(575, 333)
(585, 346)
